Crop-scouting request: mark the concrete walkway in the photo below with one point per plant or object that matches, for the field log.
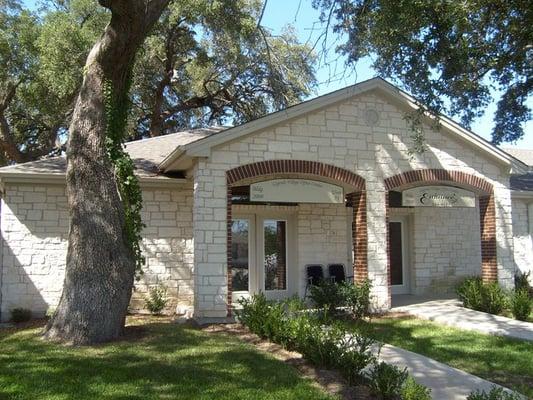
(446, 383)
(450, 312)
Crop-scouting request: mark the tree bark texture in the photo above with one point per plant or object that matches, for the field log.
(100, 265)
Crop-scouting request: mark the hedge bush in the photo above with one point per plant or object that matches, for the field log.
(20, 315)
(479, 296)
(330, 346)
(520, 304)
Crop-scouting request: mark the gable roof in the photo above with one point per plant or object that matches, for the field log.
(202, 148)
(524, 155)
(147, 154)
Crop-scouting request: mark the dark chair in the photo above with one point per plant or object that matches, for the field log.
(314, 275)
(337, 273)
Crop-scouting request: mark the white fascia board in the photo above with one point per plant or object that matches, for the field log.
(522, 194)
(60, 179)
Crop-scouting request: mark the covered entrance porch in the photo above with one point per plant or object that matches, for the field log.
(441, 229)
(285, 214)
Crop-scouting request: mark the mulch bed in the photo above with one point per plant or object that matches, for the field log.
(329, 381)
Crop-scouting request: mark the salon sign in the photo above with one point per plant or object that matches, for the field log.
(438, 196)
(296, 191)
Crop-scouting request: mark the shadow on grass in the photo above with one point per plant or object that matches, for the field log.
(155, 361)
(505, 361)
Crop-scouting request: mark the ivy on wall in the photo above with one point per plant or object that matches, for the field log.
(116, 110)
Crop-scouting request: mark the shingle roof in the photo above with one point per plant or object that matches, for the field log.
(146, 153)
(522, 182)
(524, 155)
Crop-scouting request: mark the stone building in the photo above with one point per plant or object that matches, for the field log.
(235, 211)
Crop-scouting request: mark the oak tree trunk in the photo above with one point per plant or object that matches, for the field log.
(100, 265)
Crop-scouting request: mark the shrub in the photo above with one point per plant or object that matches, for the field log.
(156, 300)
(327, 296)
(50, 311)
(356, 297)
(356, 355)
(20, 315)
(253, 313)
(319, 344)
(496, 393)
(415, 391)
(521, 282)
(520, 304)
(486, 297)
(387, 380)
(469, 292)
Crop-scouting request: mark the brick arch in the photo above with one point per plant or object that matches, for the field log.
(487, 209)
(356, 199)
(438, 175)
(273, 167)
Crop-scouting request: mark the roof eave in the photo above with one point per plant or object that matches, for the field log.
(522, 194)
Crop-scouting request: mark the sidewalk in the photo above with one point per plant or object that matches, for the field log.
(451, 313)
(445, 382)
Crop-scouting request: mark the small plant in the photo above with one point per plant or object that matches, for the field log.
(356, 355)
(327, 296)
(50, 311)
(253, 313)
(496, 393)
(387, 380)
(479, 296)
(415, 391)
(521, 282)
(320, 344)
(20, 315)
(469, 292)
(156, 300)
(356, 297)
(521, 304)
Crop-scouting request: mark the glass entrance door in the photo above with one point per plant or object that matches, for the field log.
(274, 257)
(260, 256)
(399, 268)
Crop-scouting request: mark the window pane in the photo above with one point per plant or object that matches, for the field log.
(275, 255)
(239, 254)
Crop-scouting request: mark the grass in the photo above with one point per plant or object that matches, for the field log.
(155, 361)
(500, 360)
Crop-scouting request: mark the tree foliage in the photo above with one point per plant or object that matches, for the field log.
(451, 55)
(204, 62)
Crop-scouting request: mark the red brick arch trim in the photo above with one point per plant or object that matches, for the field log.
(272, 167)
(357, 200)
(438, 175)
(487, 209)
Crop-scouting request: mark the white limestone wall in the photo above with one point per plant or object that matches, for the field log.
(445, 248)
(339, 135)
(34, 227)
(324, 237)
(523, 235)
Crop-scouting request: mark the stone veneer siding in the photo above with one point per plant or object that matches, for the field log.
(34, 230)
(523, 235)
(341, 136)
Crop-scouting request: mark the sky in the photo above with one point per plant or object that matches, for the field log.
(331, 73)
(301, 15)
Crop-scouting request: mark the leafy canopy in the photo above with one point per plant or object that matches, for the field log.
(451, 55)
(206, 62)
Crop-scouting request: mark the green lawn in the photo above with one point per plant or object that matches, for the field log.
(497, 359)
(155, 361)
